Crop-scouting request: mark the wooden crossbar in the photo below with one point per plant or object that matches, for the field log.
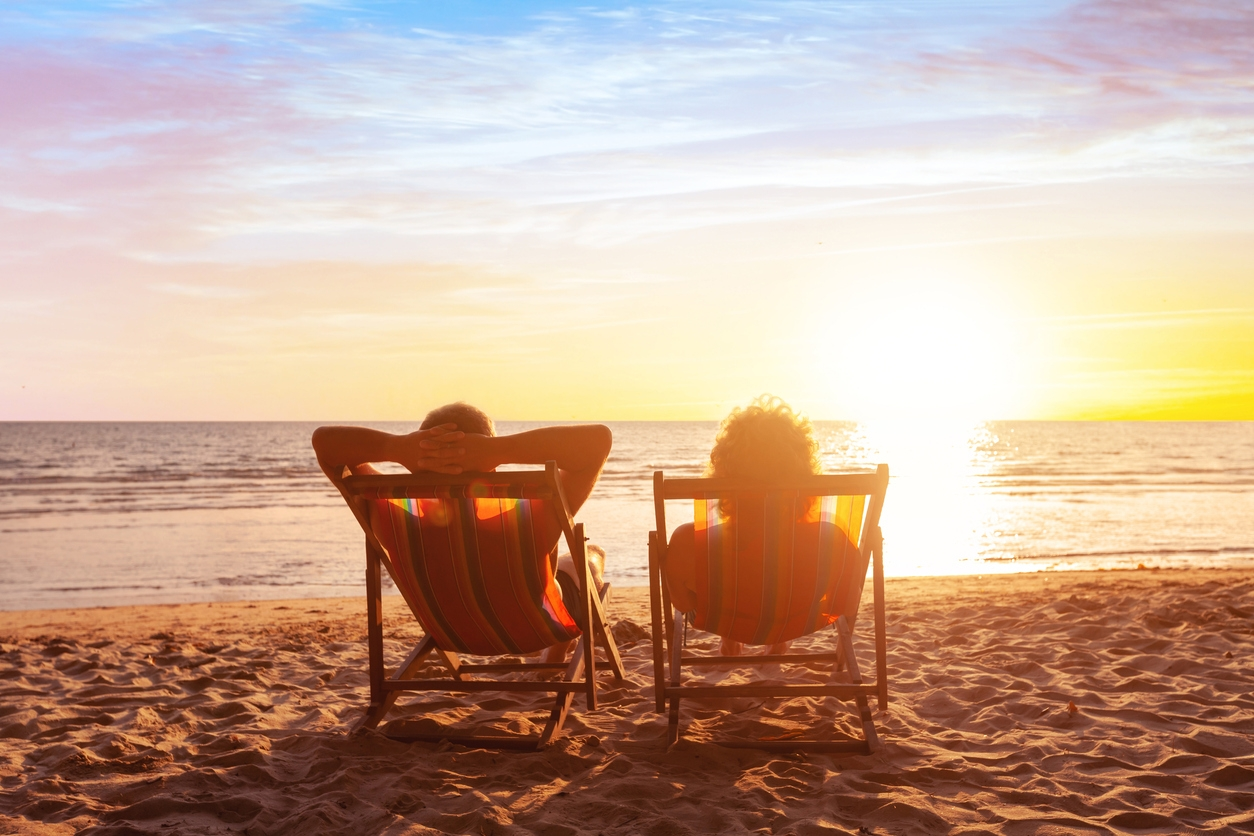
(843, 484)
(475, 685)
(504, 667)
(356, 484)
(739, 661)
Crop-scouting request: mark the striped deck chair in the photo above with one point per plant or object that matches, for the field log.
(773, 563)
(473, 556)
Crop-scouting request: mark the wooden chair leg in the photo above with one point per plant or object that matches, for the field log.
(382, 700)
(579, 554)
(657, 627)
(864, 706)
(602, 632)
(376, 711)
(673, 730)
(667, 609)
(881, 636)
(561, 709)
(374, 631)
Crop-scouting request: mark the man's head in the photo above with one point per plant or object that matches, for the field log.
(469, 419)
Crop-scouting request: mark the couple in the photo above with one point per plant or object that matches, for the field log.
(765, 441)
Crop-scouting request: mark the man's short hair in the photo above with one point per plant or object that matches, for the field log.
(469, 419)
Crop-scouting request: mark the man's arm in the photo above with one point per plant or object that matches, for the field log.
(353, 448)
(580, 452)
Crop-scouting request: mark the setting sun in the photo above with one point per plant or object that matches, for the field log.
(923, 353)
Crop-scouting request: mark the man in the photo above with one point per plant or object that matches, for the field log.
(459, 438)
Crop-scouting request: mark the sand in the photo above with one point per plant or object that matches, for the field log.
(1102, 702)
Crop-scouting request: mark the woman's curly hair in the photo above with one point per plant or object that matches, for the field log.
(765, 441)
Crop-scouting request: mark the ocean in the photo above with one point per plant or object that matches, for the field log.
(102, 514)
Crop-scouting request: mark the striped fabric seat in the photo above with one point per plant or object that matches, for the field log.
(476, 569)
(775, 566)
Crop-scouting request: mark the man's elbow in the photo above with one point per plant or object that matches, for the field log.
(323, 441)
(602, 439)
(319, 440)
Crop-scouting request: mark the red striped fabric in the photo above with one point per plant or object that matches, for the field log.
(777, 566)
(477, 572)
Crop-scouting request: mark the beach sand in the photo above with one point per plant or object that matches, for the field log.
(1099, 702)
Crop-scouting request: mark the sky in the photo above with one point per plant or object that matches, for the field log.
(290, 210)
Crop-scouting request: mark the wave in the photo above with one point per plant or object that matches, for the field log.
(39, 513)
(1221, 551)
(146, 476)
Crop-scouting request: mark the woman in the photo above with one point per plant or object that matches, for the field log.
(763, 442)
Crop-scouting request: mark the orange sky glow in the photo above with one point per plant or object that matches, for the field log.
(557, 211)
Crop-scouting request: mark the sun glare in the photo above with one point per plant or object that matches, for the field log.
(935, 366)
(933, 357)
(935, 474)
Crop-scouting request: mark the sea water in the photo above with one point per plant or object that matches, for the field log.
(98, 514)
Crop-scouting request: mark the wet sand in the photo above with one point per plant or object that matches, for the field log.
(1096, 702)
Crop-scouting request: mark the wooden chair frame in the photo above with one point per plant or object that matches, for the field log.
(578, 675)
(668, 644)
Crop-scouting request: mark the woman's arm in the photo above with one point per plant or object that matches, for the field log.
(680, 569)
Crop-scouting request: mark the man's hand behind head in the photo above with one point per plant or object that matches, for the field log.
(437, 450)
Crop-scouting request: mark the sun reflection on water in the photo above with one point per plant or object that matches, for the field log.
(938, 516)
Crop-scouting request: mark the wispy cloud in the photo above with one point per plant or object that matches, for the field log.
(190, 122)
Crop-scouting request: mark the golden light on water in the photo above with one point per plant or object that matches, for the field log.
(936, 365)
(937, 513)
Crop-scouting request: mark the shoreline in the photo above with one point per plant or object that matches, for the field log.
(1055, 702)
(633, 598)
(15, 616)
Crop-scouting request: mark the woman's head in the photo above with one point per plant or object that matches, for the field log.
(765, 441)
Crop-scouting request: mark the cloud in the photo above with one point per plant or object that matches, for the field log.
(195, 181)
(1116, 66)
(179, 125)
